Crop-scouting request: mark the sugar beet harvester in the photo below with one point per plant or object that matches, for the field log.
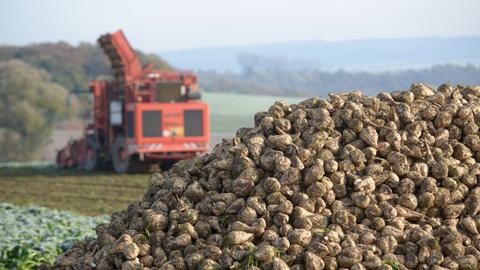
(142, 116)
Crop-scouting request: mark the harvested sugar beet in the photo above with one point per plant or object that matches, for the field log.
(353, 182)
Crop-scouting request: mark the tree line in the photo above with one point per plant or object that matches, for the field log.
(280, 80)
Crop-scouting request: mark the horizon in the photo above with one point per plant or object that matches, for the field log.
(247, 44)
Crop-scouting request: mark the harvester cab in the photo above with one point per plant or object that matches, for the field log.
(144, 115)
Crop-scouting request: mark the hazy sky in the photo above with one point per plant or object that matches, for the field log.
(176, 24)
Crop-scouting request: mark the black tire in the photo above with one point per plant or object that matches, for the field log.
(91, 157)
(120, 164)
(61, 159)
(167, 164)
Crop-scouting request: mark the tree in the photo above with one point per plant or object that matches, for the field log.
(29, 104)
(154, 60)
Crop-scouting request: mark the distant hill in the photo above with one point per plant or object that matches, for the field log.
(355, 55)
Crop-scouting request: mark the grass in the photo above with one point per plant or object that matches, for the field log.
(84, 193)
(392, 263)
(224, 219)
(279, 253)
(324, 230)
(250, 260)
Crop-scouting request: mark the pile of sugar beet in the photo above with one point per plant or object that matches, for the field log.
(352, 182)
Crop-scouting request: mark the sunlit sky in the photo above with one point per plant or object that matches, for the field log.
(177, 24)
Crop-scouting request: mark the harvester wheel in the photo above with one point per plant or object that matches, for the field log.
(91, 157)
(167, 164)
(120, 157)
(61, 159)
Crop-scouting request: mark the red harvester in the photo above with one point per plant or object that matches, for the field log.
(144, 115)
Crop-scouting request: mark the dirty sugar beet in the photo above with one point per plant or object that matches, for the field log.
(353, 182)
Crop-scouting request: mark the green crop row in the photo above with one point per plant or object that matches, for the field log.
(31, 236)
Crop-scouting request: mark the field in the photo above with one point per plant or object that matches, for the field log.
(72, 190)
(229, 111)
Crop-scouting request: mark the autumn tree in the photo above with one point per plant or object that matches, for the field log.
(30, 103)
